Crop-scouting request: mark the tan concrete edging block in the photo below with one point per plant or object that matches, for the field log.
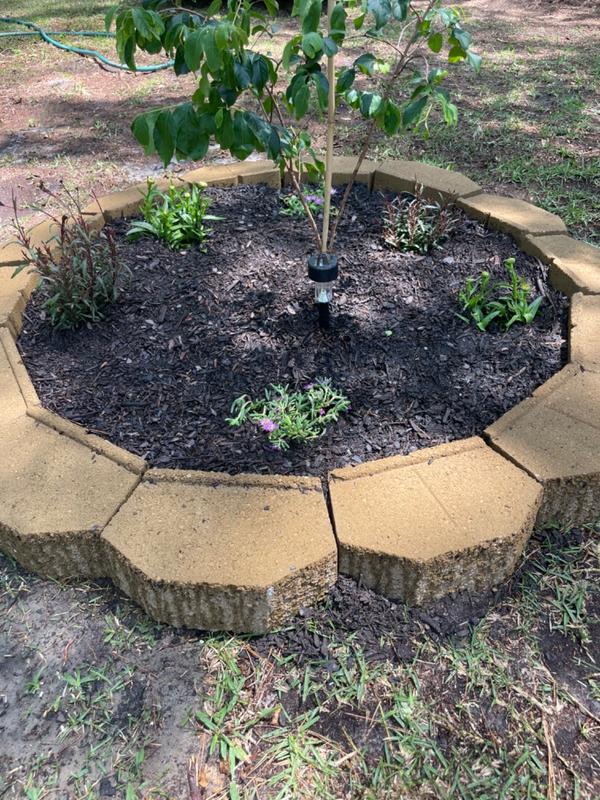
(11, 312)
(79, 434)
(57, 496)
(213, 551)
(584, 331)
(438, 184)
(555, 437)
(12, 403)
(512, 216)
(446, 518)
(26, 387)
(574, 264)
(261, 171)
(221, 175)
(25, 282)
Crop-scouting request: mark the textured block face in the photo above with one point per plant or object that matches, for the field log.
(447, 518)
(437, 184)
(259, 172)
(222, 175)
(55, 497)
(574, 265)
(555, 436)
(12, 403)
(512, 216)
(343, 169)
(584, 336)
(219, 552)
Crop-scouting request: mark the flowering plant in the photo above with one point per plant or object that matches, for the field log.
(315, 200)
(291, 416)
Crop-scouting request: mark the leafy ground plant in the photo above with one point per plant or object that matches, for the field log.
(177, 217)
(79, 269)
(506, 301)
(291, 417)
(415, 224)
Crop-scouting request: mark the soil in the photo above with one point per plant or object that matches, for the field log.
(195, 330)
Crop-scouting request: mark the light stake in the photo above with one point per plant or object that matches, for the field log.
(323, 270)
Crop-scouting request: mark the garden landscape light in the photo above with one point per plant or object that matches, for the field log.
(323, 270)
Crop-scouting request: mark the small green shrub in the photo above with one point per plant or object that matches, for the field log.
(288, 417)
(416, 225)
(506, 301)
(177, 217)
(79, 269)
(315, 200)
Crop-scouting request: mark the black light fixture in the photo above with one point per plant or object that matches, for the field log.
(323, 270)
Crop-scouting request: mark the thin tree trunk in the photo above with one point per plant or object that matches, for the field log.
(330, 130)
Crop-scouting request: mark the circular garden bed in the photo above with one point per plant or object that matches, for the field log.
(196, 329)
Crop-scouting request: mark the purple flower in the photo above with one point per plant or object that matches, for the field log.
(318, 201)
(308, 386)
(321, 412)
(268, 425)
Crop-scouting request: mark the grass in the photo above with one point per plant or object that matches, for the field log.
(488, 711)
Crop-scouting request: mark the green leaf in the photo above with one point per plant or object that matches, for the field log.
(337, 27)
(301, 100)
(345, 80)
(322, 85)
(366, 63)
(289, 51)
(412, 112)
(381, 11)
(463, 37)
(213, 8)
(436, 42)
(193, 50)
(456, 54)
(330, 46)
(242, 76)
(222, 36)
(400, 9)
(142, 22)
(163, 136)
(211, 52)
(392, 118)
(370, 104)
(312, 17)
(312, 44)
(474, 60)
(142, 128)
(109, 16)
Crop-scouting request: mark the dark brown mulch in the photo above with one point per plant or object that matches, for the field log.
(196, 330)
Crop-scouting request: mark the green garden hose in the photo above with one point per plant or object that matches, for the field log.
(35, 30)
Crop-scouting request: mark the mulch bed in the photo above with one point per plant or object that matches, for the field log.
(195, 330)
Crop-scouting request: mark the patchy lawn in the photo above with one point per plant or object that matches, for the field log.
(530, 122)
(475, 697)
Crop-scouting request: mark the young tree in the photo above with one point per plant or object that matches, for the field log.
(248, 101)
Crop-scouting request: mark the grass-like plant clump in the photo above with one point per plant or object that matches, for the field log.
(415, 224)
(291, 416)
(177, 217)
(505, 301)
(79, 269)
